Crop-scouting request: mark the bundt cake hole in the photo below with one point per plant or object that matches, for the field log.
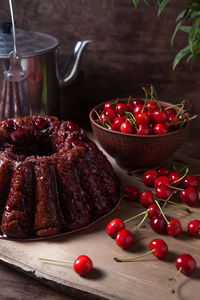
(35, 149)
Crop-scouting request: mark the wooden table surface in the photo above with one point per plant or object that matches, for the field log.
(16, 285)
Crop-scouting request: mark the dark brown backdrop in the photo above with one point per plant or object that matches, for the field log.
(130, 49)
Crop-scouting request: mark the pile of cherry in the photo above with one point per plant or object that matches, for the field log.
(166, 185)
(142, 117)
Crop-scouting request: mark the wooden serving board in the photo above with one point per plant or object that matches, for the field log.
(148, 278)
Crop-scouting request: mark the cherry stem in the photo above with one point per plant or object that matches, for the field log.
(175, 105)
(138, 215)
(131, 118)
(174, 203)
(172, 283)
(184, 175)
(134, 229)
(58, 261)
(134, 258)
(162, 212)
(193, 117)
(98, 115)
(109, 123)
(180, 170)
(146, 99)
(167, 200)
(129, 99)
(175, 187)
(102, 123)
(155, 97)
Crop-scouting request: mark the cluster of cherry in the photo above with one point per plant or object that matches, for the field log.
(167, 184)
(142, 117)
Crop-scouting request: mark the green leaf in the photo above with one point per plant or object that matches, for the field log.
(178, 26)
(194, 29)
(185, 28)
(161, 5)
(181, 15)
(194, 14)
(136, 2)
(194, 6)
(181, 54)
(146, 2)
(196, 51)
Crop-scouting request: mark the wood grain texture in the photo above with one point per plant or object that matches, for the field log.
(16, 285)
(130, 49)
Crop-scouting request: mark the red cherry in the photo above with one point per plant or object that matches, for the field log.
(189, 196)
(175, 176)
(115, 126)
(108, 105)
(160, 128)
(186, 262)
(174, 227)
(163, 171)
(161, 180)
(163, 192)
(132, 192)
(125, 238)
(149, 177)
(146, 198)
(160, 247)
(174, 122)
(138, 101)
(114, 226)
(130, 106)
(121, 108)
(119, 120)
(138, 109)
(151, 105)
(160, 116)
(117, 123)
(108, 116)
(83, 265)
(157, 247)
(111, 114)
(142, 118)
(144, 129)
(150, 114)
(158, 224)
(104, 118)
(191, 180)
(171, 111)
(154, 210)
(126, 127)
(194, 228)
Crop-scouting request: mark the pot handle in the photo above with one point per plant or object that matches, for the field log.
(72, 69)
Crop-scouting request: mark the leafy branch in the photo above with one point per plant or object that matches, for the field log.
(188, 21)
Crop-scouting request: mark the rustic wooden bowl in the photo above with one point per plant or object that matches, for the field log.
(130, 150)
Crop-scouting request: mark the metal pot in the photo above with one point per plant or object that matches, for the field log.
(39, 92)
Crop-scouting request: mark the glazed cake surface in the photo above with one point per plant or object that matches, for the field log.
(53, 178)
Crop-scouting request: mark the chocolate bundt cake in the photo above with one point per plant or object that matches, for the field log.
(53, 178)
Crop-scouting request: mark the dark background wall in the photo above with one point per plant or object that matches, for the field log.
(130, 49)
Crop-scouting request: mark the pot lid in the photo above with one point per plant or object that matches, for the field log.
(29, 43)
